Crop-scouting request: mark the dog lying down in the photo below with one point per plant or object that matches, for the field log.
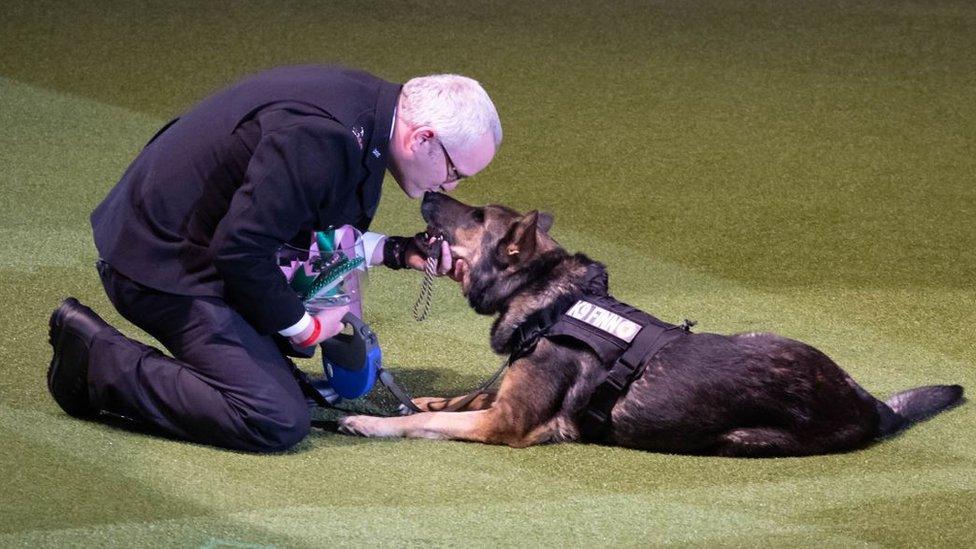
(752, 395)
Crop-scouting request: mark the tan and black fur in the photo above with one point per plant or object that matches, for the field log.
(754, 394)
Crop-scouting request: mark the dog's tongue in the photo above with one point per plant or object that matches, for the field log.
(457, 272)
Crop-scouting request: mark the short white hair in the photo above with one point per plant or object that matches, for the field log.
(455, 106)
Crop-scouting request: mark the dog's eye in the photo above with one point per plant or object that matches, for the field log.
(479, 215)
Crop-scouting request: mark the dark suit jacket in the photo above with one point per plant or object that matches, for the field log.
(203, 208)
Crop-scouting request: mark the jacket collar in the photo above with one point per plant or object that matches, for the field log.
(377, 150)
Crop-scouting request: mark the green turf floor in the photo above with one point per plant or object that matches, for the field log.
(803, 167)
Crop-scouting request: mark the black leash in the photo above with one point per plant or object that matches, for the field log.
(525, 346)
(482, 389)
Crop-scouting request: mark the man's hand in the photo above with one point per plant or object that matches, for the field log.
(416, 256)
(328, 323)
(402, 251)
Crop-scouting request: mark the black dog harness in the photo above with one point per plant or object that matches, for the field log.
(625, 338)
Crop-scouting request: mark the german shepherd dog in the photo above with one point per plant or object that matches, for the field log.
(750, 394)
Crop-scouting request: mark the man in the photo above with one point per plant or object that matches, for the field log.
(188, 236)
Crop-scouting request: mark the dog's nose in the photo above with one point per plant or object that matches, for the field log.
(431, 196)
(429, 204)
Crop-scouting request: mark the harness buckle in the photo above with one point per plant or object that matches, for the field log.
(619, 376)
(598, 417)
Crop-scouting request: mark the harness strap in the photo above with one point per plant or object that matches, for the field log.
(596, 420)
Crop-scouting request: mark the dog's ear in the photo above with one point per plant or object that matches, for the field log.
(522, 238)
(545, 222)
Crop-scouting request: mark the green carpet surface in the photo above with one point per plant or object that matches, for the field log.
(800, 167)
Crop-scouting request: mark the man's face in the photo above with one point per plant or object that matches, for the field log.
(420, 162)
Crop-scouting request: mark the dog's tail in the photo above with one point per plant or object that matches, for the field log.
(903, 409)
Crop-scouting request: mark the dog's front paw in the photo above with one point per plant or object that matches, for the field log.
(366, 426)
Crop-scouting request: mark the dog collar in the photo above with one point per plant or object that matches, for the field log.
(536, 325)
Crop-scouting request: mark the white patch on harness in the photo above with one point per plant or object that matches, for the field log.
(602, 319)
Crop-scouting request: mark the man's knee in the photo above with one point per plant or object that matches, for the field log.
(278, 430)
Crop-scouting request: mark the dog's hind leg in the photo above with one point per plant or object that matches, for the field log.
(776, 442)
(759, 442)
(438, 404)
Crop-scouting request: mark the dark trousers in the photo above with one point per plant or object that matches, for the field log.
(226, 385)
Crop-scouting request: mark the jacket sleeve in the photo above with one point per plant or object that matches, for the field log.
(295, 171)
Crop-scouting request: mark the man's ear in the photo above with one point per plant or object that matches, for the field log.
(419, 136)
(523, 236)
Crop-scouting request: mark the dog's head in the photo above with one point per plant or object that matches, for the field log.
(492, 246)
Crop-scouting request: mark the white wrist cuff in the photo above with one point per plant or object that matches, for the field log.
(297, 327)
(372, 241)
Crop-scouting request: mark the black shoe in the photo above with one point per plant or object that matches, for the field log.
(73, 328)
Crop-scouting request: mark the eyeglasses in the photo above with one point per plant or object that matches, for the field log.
(452, 173)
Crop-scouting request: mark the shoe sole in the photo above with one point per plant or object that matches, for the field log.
(56, 323)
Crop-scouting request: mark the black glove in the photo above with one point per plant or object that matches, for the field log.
(396, 248)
